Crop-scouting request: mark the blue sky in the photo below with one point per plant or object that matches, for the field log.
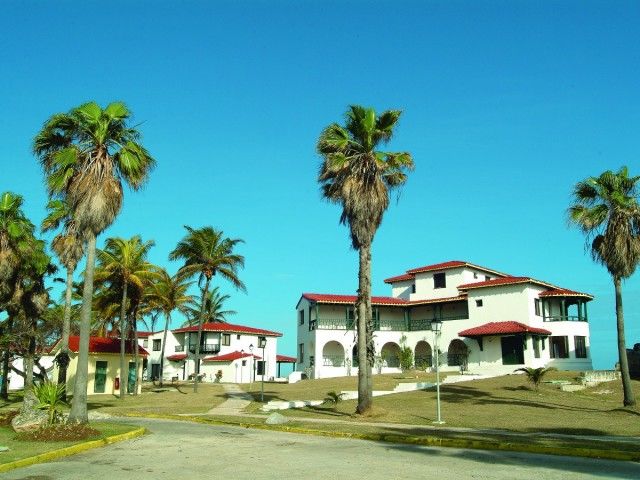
(506, 106)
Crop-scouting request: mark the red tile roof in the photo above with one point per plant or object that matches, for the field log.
(104, 345)
(502, 328)
(230, 357)
(440, 266)
(351, 299)
(285, 358)
(177, 357)
(144, 334)
(563, 292)
(504, 281)
(228, 328)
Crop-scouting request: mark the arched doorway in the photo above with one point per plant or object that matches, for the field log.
(423, 355)
(333, 354)
(390, 354)
(457, 354)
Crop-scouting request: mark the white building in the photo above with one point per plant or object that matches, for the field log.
(234, 350)
(491, 323)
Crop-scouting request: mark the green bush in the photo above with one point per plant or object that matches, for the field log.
(50, 398)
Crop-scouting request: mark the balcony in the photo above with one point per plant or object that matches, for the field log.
(564, 318)
(333, 324)
(206, 348)
(390, 325)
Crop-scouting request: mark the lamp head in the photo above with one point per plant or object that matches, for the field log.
(262, 342)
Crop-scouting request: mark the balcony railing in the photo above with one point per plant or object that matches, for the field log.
(206, 348)
(179, 348)
(333, 361)
(395, 324)
(564, 318)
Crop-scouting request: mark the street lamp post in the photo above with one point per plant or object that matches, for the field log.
(242, 361)
(253, 367)
(436, 326)
(262, 343)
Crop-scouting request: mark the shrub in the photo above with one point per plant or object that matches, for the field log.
(333, 398)
(218, 376)
(50, 398)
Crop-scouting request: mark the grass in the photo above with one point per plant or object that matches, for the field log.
(19, 449)
(317, 389)
(171, 399)
(506, 402)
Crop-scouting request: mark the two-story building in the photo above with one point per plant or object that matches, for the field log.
(491, 322)
(234, 350)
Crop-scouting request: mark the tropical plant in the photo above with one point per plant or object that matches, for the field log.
(333, 398)
(50, 398)
(69, 249)
(123, 267)
(86, 155)
(406, 355)
(358, 177)
(606, 209)
(168, 294)
(207, 252)
(535, 375)
(213, 309)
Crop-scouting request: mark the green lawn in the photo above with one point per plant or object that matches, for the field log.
(506, 402)
(172, 399)
(19, 449)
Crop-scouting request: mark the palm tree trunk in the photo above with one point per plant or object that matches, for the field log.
(629, 399)
(63, 356)
(365, 340)
(4, 387)
(124, 374)
(78, 412)
(205, 290)
(164, 341)
(28, 365)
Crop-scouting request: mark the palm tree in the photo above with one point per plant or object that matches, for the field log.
(606, 210)
(68, 247)
(358, 177)
(123, 267)
(86, 155)
(169, 293)
(16, 233)
(535, 375)
(207, 252)
(213, 309)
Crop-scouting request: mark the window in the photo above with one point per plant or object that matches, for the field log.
(238, 337)
(157, 345)
(301, 317)
(475, 274)
(487, 278)
(145, 343)
(244, 363)
(536, 346)
(312, 360)
(479, 303)
(351, 314)
(226, 339)
(413, 288)
(581, 346)
(260, 367)
(301, 353)
(439, 280)
(559, 347)
(536, 306)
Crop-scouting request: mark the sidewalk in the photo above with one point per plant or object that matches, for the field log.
(236, 403)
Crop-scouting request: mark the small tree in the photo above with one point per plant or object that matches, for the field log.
(535, 375)
(406, 355)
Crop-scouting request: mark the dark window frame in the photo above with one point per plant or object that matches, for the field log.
(563, 350)
(225, 340)
(479, 303)
(157, 345)
(580, 346)
(536, 306)
(440, 280)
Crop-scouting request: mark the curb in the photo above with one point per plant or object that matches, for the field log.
(71, 450)
(426, 440)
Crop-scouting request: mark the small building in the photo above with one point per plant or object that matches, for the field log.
(491, 322)
(233, 350)
(104, 365)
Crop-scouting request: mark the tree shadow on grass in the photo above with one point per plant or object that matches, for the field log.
(329, 411)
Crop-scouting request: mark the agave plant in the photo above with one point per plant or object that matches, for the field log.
(50, 398)
(535, 375)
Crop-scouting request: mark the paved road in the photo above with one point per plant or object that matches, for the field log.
(193, 451)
